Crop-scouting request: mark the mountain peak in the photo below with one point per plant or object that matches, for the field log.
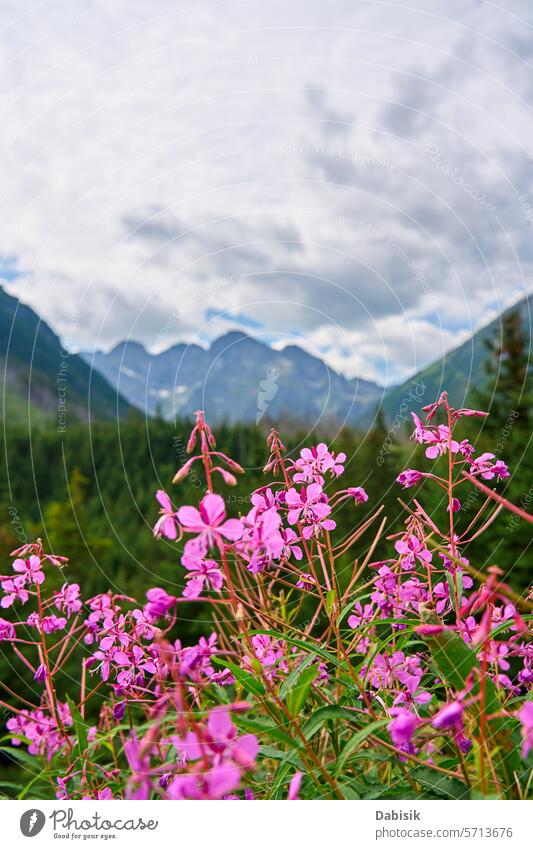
(128, 345)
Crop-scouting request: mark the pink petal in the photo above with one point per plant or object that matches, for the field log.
(223, 779)
(190, 519)
(220, 725)
(164, 500)
(214, 508)
(232, 529)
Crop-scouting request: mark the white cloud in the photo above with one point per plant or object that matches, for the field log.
(345, 174)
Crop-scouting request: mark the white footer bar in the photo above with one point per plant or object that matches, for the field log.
(350, 825)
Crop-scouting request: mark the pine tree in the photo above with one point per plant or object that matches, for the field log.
(508, 391)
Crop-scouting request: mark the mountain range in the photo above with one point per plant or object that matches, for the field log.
(238, 378)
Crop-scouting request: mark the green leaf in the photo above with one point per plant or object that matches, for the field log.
(324, 714)
(286, 757)
(297, 697)
(451, 587)
(293, 676)
(348, 791)
(266, 726)
(440, 785)
(354, 742)
(80, 727)
(245, 678)
(330, 601)
(21, 756)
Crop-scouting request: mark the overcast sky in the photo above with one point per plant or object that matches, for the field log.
(354, 177)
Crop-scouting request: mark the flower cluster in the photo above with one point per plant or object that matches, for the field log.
(322, 672)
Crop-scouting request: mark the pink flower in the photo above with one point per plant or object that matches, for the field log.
(313, 463)
(166, 525)
(222, 756)
(14, 589)
(411, 694)
(360, 615)
(270, 653)
(525, 715)
(421, 434)
(138, 756)
(158, 605)
(262, 541)
(263, 499)
(306, 581)
(440, 438)
(358, 494)
(294, 786)
(456, 505)
(442, 441)
(209, 521)
(413, 549)
(309, 505)
(203, 574)
(409, 478)
(7, 630)
(402, 727)
(30, 568)
(449, 717)
(52, 623)
(40, 674)
(67, 599)
(484, 467)
(291, 547)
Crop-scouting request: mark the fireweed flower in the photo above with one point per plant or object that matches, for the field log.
(413, 549)
(40, 674)
(270, 653)
(310, 506)
(525, 715)
(209, 521)
(402, 728)
(30, 569)
(291, 546)
(203, 574)
(167, 686)
(40, 728)
(139, 785)
(412, 694)
(409, 478)
(361, 615)
(48, 624)
(222, 754)
(7, 630)
(449, 717)
(158, 605)
(306, 581)
(294, 786)
(67, 599)
(262, 541)
(166, 525)
(441, 441)
(313, 464)
(484, 466)
(358, 494)
(14, 591)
